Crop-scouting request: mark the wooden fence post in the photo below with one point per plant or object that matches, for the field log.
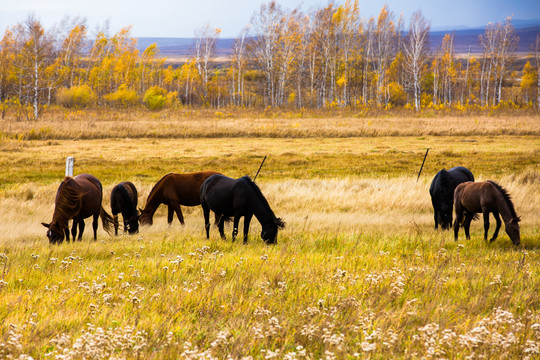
(69, 165)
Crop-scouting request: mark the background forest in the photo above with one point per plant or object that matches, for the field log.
(329, 58)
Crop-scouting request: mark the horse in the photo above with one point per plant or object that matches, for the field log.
(487, 197)
(77, 198)
(124, 200)
(174, 190)
(228, 197)
(442, 193)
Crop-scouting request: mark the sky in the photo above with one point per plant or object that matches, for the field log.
(180, 18)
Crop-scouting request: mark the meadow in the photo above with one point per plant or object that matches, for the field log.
(359, 271)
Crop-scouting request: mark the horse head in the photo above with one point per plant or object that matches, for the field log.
(133, 224)
(145, 218)
(270, 230)
(512, 229)
(55, 232)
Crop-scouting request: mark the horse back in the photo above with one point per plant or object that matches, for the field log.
(226, 196)
(124, 196)
(476, 196)
(460, 174)
(92, 194)
(184, 188)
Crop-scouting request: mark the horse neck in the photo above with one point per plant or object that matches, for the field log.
(504, 208)
(59, 214)
(261, 211)
(153, 202)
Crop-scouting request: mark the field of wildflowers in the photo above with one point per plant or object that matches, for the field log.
(358, 272)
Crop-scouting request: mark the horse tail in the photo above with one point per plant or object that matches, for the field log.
(107, 220)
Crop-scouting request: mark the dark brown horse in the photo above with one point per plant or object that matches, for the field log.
(236, 198)
(487, 197)
(124, 200)
(174, 190)
(77, 198)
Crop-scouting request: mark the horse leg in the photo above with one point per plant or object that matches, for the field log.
(81, 229)
(235, 227)
(115, 222)
(436, 222)
(486, 224)
(459, 215)
(467, 225)
(95, 225)
(221, 225)
(178, 211)
(206, 213)
(497, 228)
(170, 214)
(74, 229)
(247, 220)
(66, 233)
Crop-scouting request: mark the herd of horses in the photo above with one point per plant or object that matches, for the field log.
(81, 197)
(457, 189)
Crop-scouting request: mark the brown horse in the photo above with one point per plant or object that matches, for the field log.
(487, 197)
(77, 198)
(174, 190)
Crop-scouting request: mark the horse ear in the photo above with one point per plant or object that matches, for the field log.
(46, 225)
(516, 220)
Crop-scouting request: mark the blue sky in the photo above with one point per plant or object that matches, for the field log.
(179, 18)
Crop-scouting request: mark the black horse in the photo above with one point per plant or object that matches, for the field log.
(235, 198)
(442, 193)
(124, 200)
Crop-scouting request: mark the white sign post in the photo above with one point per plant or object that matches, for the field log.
(69, 166)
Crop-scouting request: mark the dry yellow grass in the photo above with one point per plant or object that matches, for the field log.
(359, 271)
(173, 124)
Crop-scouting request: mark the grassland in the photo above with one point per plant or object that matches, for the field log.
(359, 271)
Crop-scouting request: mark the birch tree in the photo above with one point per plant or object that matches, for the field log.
(35, 53)
(416, 53)
(205, 47)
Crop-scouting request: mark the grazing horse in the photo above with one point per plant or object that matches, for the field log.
(77, 198)
(124, 200)
(235, 198)
(485, 197)
(174, 190)
(442, 193)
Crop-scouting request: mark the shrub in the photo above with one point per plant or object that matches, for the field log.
(172, 100)
(155, 98)
(123, 97)
(397, 94)
(75, 96)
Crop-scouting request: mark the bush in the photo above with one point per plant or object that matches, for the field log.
(75, 96)
(155, 98)
(172, 100)
(123, 97)
(397, 94)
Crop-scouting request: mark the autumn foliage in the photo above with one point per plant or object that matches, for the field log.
(328, 58)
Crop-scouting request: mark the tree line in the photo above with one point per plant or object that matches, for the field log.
(330, 57)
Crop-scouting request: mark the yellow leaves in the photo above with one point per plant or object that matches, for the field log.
(341, 81)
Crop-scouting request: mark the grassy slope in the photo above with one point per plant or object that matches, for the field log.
(357, 270)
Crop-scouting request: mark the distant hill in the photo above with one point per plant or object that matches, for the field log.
(463, 39)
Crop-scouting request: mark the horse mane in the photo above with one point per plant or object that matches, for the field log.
(257, 191)
(155, 187)
(506, 197)
(68, 200)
